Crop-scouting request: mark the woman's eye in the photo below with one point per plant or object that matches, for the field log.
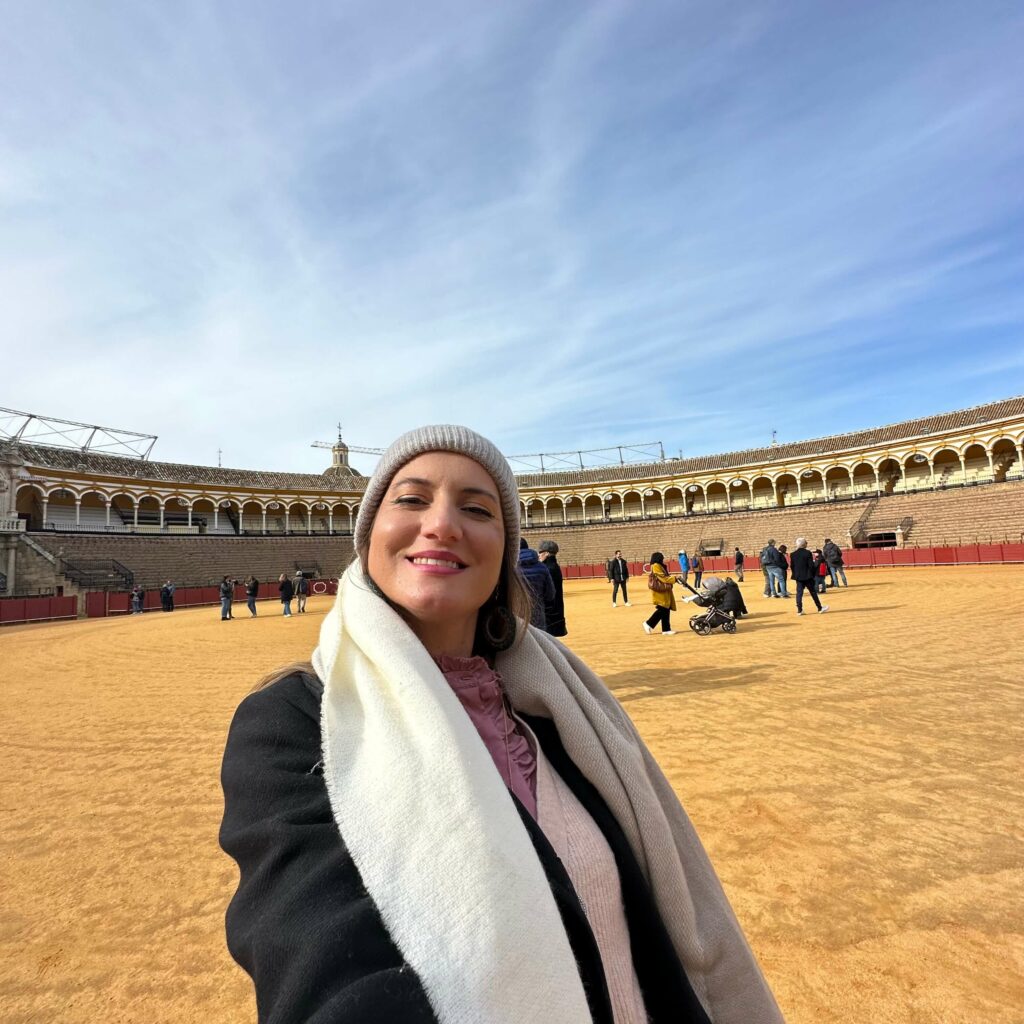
(477, 510)
(409, 499)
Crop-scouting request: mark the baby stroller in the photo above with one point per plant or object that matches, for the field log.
(711, 597)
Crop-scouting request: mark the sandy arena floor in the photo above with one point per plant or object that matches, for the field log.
(855, 776)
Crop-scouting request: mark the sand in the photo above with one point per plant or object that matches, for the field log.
(856, 778)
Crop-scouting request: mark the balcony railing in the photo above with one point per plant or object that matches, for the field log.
(12, 524)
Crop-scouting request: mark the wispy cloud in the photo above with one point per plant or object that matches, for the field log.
(563, 224)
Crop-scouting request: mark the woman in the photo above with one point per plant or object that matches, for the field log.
(447, 816)
(287, 589)
(662, 596)
(783, 563)
(697, 565)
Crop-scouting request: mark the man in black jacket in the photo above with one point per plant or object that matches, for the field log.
(805, 575)
(618, 575)
(834, 560)
(554, 609)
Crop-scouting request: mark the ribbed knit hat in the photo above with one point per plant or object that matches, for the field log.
(442, 438)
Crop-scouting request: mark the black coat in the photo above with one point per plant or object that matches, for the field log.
(801, 564)
(287, 589)
(304, 927)
(832, 553)
(554, 610)
(618, 570)
(733, 601)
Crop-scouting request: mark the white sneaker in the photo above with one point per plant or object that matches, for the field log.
(669, 632)
(614, 605)
(628, 605)
(647, 629)
(799, 613)
(822, 609)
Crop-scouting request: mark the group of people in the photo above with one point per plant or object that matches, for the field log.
(290, 589)
(137, 598)
(810, 570)
(543, 574)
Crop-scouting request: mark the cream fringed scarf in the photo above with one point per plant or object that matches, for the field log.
(440, 845)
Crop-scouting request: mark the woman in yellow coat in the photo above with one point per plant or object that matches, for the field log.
(662, 596)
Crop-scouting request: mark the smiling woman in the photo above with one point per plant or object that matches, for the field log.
(447, 816)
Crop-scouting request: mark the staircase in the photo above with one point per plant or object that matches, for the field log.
(98, 574)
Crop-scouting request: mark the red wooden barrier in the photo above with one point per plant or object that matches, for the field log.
(12, 609)
(63, 607)
(118, 604)
(945, 556)
(96, 605)
(967, 554)
(1013, 552)
(990, 553)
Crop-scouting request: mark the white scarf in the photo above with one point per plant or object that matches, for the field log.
(442, 851)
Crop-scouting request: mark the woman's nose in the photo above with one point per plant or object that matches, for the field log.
(442, 521)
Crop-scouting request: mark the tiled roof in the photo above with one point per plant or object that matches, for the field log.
(332, 480)
(959, 420)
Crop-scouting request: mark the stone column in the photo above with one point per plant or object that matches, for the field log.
(287, 520)
(565, 515)
(78, 511)
(135, 513)
(309, 520)
(190, 516)
(264, 520)
(108, 514)
(161, 515)
(330, 521)
(216, 516)
(46, 502)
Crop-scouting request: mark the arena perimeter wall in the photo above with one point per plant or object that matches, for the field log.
(99, 604)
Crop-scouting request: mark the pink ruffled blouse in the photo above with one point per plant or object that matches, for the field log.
(479, 690)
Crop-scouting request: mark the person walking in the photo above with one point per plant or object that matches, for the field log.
(618, 573)
(784, 566)
(252, 590)
(554, 610)
(834, 559)
(227, 594)
(805, 576)
(539, 581)
(738, 562)
(287, 590)
(662, 596)
(445, 815)
(167, 597)
(697, 565)
(684, 566)
(301, 585)
(138, 595)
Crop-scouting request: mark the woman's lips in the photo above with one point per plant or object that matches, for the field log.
(435, 563)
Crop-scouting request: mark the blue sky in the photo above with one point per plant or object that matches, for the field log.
(567, 225)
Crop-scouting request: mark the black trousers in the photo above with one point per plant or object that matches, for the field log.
(697, 576)
(662, 615)
(811, 586)
(615, 590)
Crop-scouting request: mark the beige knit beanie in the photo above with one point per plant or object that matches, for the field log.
(442, 438)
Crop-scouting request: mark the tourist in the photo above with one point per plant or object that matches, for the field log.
(772, 563)
(301, 585)
(684, 566)
(137, 598)
(252, 590)
(820, 570)
(539, 581)
(618, 573)
(697, 565)
(450, 818)
(227, 594)
(784, 566)
(805, 576)
(834, 559)
(287, 591)
(738, 562)
(662, 596)
(167, 597)
(554, 610)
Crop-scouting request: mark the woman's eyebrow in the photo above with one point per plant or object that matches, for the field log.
(422, 482)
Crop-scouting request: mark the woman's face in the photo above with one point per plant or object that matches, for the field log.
(437, 542)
